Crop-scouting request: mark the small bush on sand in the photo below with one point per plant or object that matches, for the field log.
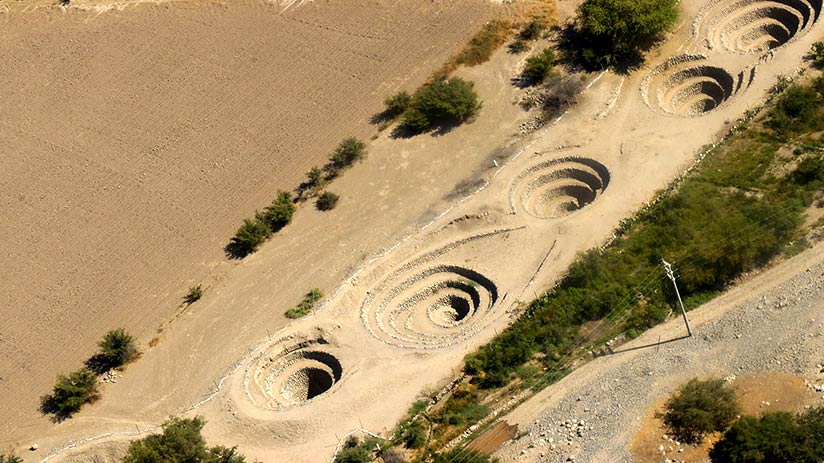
(250, 236)
(180, 441)
(327, 201)
(539, 67)
(315, 180)
(348, 152)
(70, 393)
(306, 305)
(532, 30)
(444, 101)
(700, 408)
(397, 104)
(118, 348)
(10, 458)
(484, 43)
(194, 294)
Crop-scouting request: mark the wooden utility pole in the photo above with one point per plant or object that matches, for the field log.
(671, 276)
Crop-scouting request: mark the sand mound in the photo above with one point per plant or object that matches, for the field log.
(558, 187)
(755, 26)
(292, 373)
(686, 86)
(429, 306)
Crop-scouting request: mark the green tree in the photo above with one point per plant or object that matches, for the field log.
(70, 393)
(617, 31)
(279, 213)
(798, 109)
(180, 442)
(532, 30)
(347, 153)
(397, 104)
(699, 408)
(10, 458)
(816, 54)
(249, 236)
(441, 102)
(117, 348)
(327, 201)
(773, 438)
(539, 67)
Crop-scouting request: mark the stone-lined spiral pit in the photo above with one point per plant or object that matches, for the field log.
(292, 374)
(430, 307)
(756, 26)
(559, 187)
(685, 86)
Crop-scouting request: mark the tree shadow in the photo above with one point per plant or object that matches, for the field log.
(235, 251)
(646, 346)
(48, 406)
(98, 364)
(383, 117)
(577, 52)
(402, 132)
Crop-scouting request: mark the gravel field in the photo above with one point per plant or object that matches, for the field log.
(778, 329)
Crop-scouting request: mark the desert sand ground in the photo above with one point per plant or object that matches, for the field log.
(419, 277)
(133, 141)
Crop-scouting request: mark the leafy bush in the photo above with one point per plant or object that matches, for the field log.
(441, 102)
(117, 348)
(480, 48)
(518, 46)
(774, 438)
(356, 452)
(347, 153)
(315, 180)
(10, 458)
(249, 236)
(194, 295)
(797, 110)
(180, 441)
(306, 305)
(327, 201)
(816, 55)
(71, 393)
(810, 169)
(412, 434)
(617, 31)
(397, 104)
(279, 213)
(539, 67)
(532, 30)
(700, 408)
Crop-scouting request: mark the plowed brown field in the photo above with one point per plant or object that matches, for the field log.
(133, 142)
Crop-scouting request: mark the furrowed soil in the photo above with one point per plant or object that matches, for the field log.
(134, 141)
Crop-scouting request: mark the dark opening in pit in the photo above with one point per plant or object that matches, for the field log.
(460, 306)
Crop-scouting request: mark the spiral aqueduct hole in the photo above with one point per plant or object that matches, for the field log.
(755, 26)
(428, 307)
(288, 374)
(560, 186)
